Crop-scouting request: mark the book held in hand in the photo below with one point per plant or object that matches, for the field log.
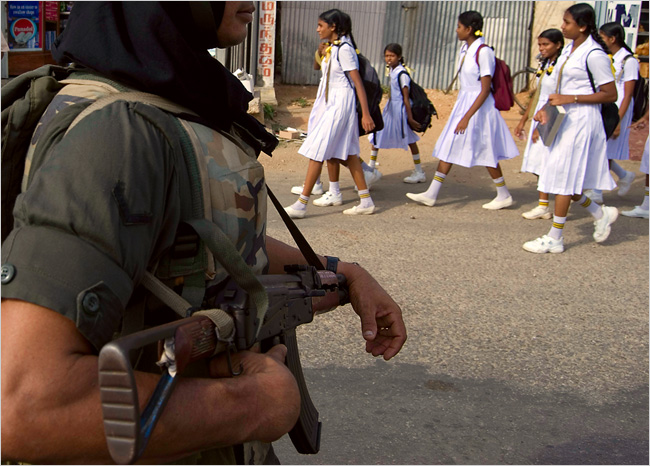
(554, 116)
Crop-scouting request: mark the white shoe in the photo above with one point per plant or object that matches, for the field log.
(371, 177)
(636, 212)
(416, 177)
(317, 190)
(295, 213)
(421, 198)
(496, 205)
(537, 212)
(625, 183)
(358, 210)
(594, 196)
(545, 244)
(329, 199)
(603, 226)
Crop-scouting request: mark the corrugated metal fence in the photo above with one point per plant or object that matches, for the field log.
(426, 31)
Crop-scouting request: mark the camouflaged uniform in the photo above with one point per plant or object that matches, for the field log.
(124, 169)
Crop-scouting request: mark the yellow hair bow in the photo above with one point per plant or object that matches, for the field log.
(478, 33)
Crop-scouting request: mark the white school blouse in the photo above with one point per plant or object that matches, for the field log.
(487, 138)
(333, 130)
(397, 134)
(536, 153)
(577, 158)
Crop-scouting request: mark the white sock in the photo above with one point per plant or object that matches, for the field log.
(416, 162)
(543, 203)
(557, 228)
(617, 169)
(594, 209)
(502, 189)
(334, 187)
(645, 204)
(301, 203)
(436, 184)
(364, 197)
(373, 158)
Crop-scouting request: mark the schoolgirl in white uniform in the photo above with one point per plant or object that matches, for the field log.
(550, 44)
(476, 133)
(626, 72)
(397, 115)
(643, 210)
(577, 157)
(333, 132)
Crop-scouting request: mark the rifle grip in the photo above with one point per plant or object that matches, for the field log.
(305, 435)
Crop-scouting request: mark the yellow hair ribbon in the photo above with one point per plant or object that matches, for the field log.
(328, 50)
(611, 64)
(409, 70)
(387, 70)
(478, 33)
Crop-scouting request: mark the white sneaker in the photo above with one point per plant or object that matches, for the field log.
(358, 210)
(537, 212)
(625, 183)
(603, 226)
(496, 205)
(295, 213)
(637, 212)
(416, 177)
(371, 177)
(329, 199)
(594, 196)
(545, 244)
(317, 190)
(421, 198)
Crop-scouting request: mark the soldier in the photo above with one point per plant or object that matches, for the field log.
(103, 206)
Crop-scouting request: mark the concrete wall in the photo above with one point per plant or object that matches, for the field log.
(547, 15)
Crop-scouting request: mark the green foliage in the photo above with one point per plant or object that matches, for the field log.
(301, 102)
(385, 89)
(269, 111)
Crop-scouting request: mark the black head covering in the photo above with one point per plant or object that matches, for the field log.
(157, 47)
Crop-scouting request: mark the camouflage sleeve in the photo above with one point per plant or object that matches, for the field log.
(101, 207)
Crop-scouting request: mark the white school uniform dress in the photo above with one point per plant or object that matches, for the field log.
(487, 138)
(397, 134)
(537, 152)
(577, 157)
(619, 148)
(644, 159)
(333, 130)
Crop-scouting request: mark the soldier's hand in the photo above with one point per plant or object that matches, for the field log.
(382, 325)
(272, 387)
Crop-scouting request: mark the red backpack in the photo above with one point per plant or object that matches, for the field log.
(501, 83)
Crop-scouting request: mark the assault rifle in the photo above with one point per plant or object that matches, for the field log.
(294, 299)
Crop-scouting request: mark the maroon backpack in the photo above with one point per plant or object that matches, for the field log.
(501, 83)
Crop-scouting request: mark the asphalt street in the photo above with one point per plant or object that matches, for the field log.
(512, 357)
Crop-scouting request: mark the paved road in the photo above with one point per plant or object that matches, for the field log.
(512, 358)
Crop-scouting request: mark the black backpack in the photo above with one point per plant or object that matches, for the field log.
(374, 92)
(421, 108)
(640, 95)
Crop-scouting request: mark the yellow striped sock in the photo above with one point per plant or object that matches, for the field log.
(586, 203)
(559, 226)
(543, 202)
(439, 179)
(303, 199)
